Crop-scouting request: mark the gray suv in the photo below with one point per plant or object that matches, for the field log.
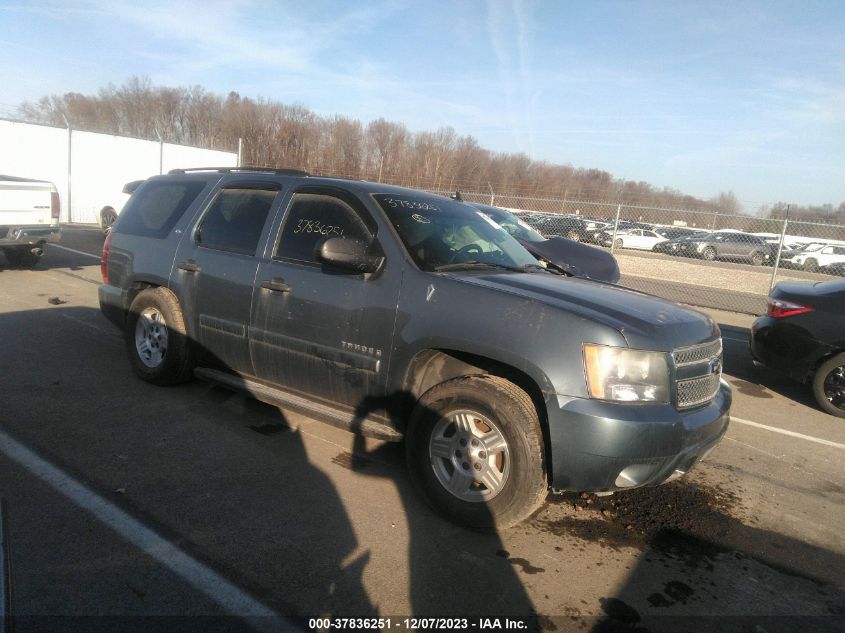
(404, 315)
(726, 245)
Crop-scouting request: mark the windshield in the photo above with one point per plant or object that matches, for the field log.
(439, 232)
(519, 229)
(809, 248)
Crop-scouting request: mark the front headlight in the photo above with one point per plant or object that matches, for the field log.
(618, 373)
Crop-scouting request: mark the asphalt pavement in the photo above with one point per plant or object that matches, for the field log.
(132, 507)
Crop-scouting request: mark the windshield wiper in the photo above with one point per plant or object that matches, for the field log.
(475, 264)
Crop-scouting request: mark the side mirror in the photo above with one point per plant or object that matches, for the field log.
(348, 254)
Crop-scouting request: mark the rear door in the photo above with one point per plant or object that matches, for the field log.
(321, 331)
(215, 270)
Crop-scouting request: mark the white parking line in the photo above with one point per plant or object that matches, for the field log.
(801, 436)
(232, 599)
(73, 250)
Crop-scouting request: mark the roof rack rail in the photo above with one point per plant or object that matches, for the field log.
(235, 170)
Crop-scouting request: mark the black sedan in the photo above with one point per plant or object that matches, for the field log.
(803, 335)
(568, 256)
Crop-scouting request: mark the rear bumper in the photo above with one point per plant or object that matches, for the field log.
(113, 304)
(600, 446)
(785, 346)
(29, 235)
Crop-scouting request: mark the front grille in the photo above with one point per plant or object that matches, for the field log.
(697, 382)
(697, 391)
(698, 353)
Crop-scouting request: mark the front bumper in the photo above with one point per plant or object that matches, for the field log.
(29, 235)
(600, 446)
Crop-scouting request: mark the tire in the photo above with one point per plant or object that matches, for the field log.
(21, 256)
(709, 253)
(446, 437)
(158, 348)
(811, 265)
(757, 258)
(618, 243)
(108, 216)
(574, 236)
(829, 385)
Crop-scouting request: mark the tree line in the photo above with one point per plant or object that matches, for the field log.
(282, 135)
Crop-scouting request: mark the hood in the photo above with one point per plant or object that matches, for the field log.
(576, 258)
(646, 322)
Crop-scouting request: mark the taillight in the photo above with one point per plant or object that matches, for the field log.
(778, 308)
(55, 205)
(104, 262)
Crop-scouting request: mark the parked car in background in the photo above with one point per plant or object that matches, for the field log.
(818, 257)
(803, 335)
(726, 245)
(642, 239)
(29, 218)
(676, 245)
(835, 269)
(570, 257)
(566, 226)
(604, 235)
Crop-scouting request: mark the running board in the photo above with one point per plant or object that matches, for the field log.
(368, 427)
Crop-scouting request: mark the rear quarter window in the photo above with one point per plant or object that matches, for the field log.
(155, 209)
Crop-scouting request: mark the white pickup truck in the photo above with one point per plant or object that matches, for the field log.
(29, 218)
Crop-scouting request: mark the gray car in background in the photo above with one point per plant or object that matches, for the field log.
(726, 245)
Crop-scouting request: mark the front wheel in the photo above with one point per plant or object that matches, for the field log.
(156, 343)
(757, 258)
(811, 265)
(475, 450)
(574, 236)
(829, 385)
(709, 253)
(617, 243)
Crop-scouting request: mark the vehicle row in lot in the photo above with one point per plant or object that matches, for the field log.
(692, 242)
(803, 335)
(405, 315)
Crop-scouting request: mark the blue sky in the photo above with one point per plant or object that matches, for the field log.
(698, 96)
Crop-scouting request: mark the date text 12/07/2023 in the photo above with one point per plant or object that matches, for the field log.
(418, 624)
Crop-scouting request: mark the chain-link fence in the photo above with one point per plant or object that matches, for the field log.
(715, 260)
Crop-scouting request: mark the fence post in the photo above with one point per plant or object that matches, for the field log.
(492, 194)
(615, 229)
(240, 151)
(69, 168)
(780, 249)
(160, 151)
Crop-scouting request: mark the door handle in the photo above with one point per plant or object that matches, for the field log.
(189, 266)
(276, 284)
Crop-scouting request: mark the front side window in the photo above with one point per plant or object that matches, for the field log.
(235, 220)
(439, 232)
(310, 219)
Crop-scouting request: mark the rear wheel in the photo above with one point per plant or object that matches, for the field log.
(108, 216)
(22, 256)
(811, 265)
(757, 258)
(156, 343)
(475, 450)
(617, 243)
(709, 253)
(829, 385)
(574, 236)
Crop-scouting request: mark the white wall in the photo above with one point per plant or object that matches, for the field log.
(100, 163)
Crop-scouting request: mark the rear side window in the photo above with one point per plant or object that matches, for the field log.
(155, 209)
(235, 220)
(311, 218)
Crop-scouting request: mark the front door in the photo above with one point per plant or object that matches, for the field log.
(318, 330)
(215, 272)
